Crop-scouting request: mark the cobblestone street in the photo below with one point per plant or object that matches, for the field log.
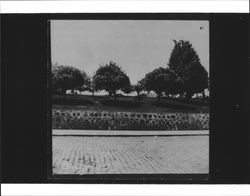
(124, 155)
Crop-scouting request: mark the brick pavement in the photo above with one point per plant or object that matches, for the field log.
(124, 155)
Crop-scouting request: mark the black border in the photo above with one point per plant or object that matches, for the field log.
(24, 114)
(49, 103)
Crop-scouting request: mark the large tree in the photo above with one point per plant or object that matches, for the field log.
(111, 78)
(161, 80)
(67, 78)
(185, 62)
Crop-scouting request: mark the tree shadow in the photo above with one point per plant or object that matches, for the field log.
(121, 103)
(194, 101)
(173, 106)
(71, 101)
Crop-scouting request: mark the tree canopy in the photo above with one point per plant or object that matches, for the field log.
(67, 78)
(185, 62)
(161, 80)
(111, 78)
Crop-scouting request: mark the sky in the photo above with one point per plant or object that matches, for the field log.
(137, 46)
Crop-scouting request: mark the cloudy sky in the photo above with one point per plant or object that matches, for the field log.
(138, 46)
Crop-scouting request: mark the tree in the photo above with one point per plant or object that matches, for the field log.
(88, 85)
(175, 84)
(161, 80)
(138, 88)
(128, 89)
(67, 78)
(91, 86)
(110, 78)
(185, 62)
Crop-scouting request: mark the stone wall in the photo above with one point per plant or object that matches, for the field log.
(104, 120)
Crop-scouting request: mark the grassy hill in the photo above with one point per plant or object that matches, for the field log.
(127, 103)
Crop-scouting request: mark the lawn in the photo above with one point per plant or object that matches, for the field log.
(127, 103)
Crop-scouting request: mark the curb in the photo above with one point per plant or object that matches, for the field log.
(125, 133)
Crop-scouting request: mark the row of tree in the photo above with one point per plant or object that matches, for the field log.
(184, 75)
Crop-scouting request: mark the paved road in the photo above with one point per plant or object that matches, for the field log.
(124, 155)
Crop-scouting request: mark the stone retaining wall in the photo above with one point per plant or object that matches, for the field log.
(104, 120)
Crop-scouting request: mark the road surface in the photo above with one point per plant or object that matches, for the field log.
(130, 155)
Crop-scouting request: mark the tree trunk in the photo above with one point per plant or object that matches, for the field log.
(138, 96)
(158, 98)
(203, 94)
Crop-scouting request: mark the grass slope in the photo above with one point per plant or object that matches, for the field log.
(127, 103)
